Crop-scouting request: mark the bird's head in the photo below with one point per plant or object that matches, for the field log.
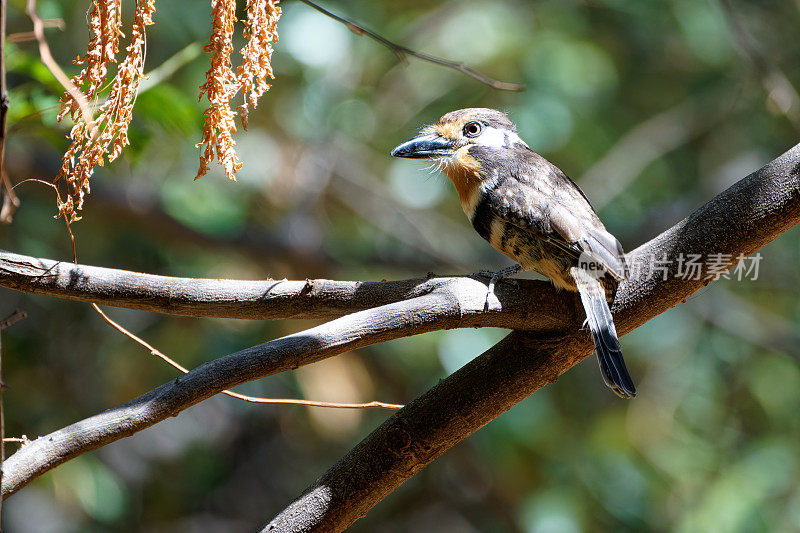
(468, 145)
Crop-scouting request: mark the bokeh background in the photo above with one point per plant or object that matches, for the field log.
(653, 107)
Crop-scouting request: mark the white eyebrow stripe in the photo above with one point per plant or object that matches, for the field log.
(497, 138)
(492, 137)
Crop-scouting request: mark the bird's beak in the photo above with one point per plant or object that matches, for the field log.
(424, 146)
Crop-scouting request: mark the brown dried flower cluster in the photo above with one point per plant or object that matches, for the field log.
(91, 145)
(94, 143)
(104, 19)
(222, 85)
(261, 32)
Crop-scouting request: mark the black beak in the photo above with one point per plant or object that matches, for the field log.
(424, 145)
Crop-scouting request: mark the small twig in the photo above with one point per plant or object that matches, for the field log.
(52, 66)
(12, 319)
(402, 52)
(58, 196)
(246, 398)
(314, 403)
(37, 180)
(23, 36)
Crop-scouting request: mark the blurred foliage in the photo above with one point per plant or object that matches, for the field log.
(711, 442)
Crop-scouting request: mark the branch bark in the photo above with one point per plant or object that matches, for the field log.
(741, 220)
(318, 299)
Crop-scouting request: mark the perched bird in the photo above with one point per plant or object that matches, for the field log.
(532, 212)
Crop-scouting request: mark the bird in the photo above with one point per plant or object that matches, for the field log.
(531, 211)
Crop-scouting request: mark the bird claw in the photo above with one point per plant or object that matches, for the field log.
(487, 305)
(494, 278)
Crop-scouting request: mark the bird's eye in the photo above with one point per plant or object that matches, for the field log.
(473, 129)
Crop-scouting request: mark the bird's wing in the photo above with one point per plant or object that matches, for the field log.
(541, 198)
(571, 224)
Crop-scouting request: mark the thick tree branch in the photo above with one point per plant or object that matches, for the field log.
(317, 299)
(742, 219)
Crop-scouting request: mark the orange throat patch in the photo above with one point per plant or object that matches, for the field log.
(464, 171)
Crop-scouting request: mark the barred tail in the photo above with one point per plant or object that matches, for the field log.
(604, 334)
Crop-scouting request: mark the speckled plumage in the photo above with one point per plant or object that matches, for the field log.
(529, 210)
(545, 220)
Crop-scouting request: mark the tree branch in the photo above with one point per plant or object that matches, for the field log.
(742, 219)
(317, 299)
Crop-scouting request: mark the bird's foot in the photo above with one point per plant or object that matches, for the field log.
(494, 278)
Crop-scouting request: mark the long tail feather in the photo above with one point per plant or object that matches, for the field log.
(604, 334)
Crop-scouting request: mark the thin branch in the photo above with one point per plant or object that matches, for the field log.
(23, 36)
(12, 319)
(315, 403)
(742, 219)
(402, 52)
(55, 69)
(739, 221)
(245, 397)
